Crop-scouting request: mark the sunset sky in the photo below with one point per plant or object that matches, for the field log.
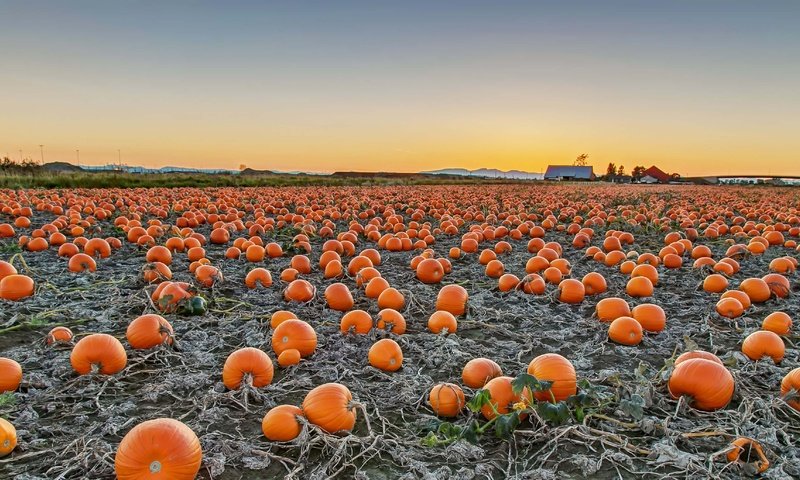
(696, 87)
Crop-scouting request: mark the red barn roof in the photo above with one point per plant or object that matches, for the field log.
(659, 175)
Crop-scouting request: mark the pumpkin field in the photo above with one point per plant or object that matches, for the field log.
(438, 331)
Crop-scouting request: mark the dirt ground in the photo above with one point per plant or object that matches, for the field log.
(69, 426)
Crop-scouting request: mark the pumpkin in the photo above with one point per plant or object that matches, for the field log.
(97, 247)
(159, 254)
(507, 282)
(453, 299)
(571, 291)
(294, 334)
(502, 398)
(650, 316)
(258, 276)
(554, 368)
(301, 263)
(778, 322)
(357, 320)
(8, 437)
(329, 406)
(757, 289)
(250, 364)
(99, 350)
(16, 287)
(747, 450)
(59, 335)
(446, 400)
(738, 295)
(778, 284)
(533, 284)
(609, 309)
(208, 275)
(10, 375)
(478, 371)
(299, 291)
(289, 357)
(339, 297)
(357, 263)
(639, 287)
(159, 448)
(386, 355)
(764, 343)
(626, 331)
(715, 283)
(594, 283)
(430, 271)
(279, 317)
(709, 384)
(156, 272)
(791, 384)
(696, 354)
(391, 298)
(441, 320)
(6, 269)
(391, 319)
(280, 424)
(333, 269)
(646, 270)
(148, 331)
(729, 307)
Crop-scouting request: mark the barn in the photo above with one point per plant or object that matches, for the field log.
(568, 172)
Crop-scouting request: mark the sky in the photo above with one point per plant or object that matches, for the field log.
(696, 87)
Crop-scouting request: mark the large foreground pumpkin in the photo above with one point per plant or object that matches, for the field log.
(708, 384)
(160, 449)
(328, 406)
(554, 368)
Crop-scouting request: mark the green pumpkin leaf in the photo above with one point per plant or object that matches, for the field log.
(555, 413)
(633, 407)
(505, 425)
(482, 397)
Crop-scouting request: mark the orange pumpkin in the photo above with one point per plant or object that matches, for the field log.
(446, 400)
(626, 331)
(778, 322)
(59, 335)
(247, 364)
(791, 384)
(16, 287)
(391, 298)
(392, 319)
(159, 448)
(441, 320)
(101, 351)
(453, 299)
(339, 297)
(280, 424)
(299, 291)
(650, 316)
(502, 398)
(329, 406)
(148, 331)
(294, 334)
(8, 437)
(609, 309)
(554, 368)
(10, 375)
(478, 371)
(289, 357)
(357, 320)
(708, 384)
(386, 355)
(764, 343)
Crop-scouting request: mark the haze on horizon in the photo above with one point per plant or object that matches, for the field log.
(695, 87)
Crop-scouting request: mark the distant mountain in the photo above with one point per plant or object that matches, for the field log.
(61, 167)
(488, 173)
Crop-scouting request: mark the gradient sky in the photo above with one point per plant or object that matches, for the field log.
(697, 87)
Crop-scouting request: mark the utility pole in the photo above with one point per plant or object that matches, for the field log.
(119, 159)
(41, 151)
(20, 156)
(78, 156)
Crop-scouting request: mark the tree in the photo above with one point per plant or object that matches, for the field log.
(611, 170)
(621, 170)
(242, 167)
(637, 173)
(580, 161)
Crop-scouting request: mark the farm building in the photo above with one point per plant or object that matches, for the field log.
(568, 172)
(655, 175)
